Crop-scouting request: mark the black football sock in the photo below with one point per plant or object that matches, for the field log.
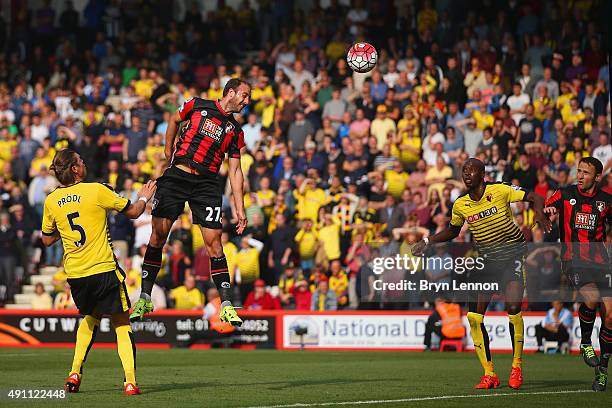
(150, 268)
(220, 275)
(587, 320)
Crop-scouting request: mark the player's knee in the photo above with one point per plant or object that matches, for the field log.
(158, 239)
(214, 248)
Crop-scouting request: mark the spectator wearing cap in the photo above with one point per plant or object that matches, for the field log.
(310, 160)
(324, 299)
(298, 132)
(382, 127)
(259, 299)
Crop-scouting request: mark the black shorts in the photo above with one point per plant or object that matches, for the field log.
(580, 276)
(103, 293)
(202, 192)
(500, 272)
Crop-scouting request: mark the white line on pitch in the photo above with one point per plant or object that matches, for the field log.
(441, 397)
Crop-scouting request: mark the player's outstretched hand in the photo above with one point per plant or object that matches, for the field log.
(419, 248)
(544, 221)
(242, 223)
(148, 189)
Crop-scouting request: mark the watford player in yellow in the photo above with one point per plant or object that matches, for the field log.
(486, 208)
(76, 213)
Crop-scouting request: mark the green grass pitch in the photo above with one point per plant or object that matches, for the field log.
(249, 378)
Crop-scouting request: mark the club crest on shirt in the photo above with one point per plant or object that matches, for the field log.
(600, 205)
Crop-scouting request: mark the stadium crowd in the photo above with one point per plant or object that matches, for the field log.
(336, 163)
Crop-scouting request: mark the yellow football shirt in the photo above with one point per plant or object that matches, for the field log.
(247, 260)
(185, 299)
(78, 213)
(490, 220)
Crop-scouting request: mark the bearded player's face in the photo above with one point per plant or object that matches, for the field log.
(586, 176)
(241, 98)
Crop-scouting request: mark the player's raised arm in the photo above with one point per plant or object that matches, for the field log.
(182, 114)
(236, 179)
(452, 232)
(538, 207)
(171, 131)
(144, 195)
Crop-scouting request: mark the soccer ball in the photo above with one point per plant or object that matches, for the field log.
(362, 57)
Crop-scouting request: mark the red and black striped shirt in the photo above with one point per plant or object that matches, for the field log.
(207, 136)
(583, 220)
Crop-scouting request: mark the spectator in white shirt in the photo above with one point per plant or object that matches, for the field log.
(517, 102)
(252, 130)
(434, 136)
(603, 152)
(298, 75)
(39, 131)
(392, 74)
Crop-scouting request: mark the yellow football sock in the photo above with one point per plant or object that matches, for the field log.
(86, 334)
(517, 328)
(127, 352)
(481, 341)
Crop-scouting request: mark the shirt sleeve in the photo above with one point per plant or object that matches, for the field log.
(186, 109)
(457, 219)
(554, 200)
(48, 223)
(514, 192)
(237, 144)
(110, 200)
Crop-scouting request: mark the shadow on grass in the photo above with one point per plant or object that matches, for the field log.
(272, 385)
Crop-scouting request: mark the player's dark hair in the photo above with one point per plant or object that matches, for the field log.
(234, 83)
(62, 165)
(593, 162)
(474, 162)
